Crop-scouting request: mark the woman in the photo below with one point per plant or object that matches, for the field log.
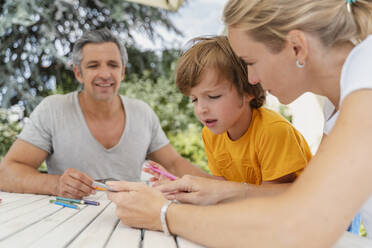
(290, 47)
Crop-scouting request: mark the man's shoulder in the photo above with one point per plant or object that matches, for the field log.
(59, 98)
(56, 102)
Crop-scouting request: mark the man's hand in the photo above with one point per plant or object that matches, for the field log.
(197, 190)
(137, 205)
(74, 184)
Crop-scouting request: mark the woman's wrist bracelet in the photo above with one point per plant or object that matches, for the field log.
(163, 217)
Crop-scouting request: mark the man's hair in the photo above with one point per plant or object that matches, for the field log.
(216, 53)
(97, 36)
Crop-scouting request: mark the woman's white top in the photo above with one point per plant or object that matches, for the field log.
(356, 74)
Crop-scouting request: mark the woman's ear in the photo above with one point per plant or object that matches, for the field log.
(297, 41)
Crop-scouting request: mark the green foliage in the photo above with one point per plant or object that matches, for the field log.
(36, 39)
(190, 145)
(284, 111)
(8, 130)
(174, 110)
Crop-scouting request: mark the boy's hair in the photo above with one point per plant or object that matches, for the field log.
(216, 53)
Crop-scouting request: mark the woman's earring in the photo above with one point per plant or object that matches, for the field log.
(299, 65)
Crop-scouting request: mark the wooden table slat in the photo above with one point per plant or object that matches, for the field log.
(153, 239)
(20, 202)
(37, 231)
(67, 231)
(124, 235)
(28, 220)
(99, 231)
(184, 243)
(23, 210)
(349, 240)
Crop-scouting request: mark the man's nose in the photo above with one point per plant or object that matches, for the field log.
(104, 72)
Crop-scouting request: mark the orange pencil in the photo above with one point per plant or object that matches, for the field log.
(99, 188)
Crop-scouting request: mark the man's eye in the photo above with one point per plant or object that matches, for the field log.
(214, 97)
(92, 66)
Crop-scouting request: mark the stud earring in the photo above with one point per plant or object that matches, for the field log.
(299, 65)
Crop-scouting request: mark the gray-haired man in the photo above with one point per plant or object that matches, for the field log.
(91, 134)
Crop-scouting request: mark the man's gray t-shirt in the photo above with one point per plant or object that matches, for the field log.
(57, 125)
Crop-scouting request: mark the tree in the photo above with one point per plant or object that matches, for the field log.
(36, 39)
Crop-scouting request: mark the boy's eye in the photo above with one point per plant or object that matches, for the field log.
(214, 97)
(194, 100)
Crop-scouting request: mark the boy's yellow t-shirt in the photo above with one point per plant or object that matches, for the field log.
(271, 148)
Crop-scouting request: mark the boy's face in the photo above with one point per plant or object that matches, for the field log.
(219, 107)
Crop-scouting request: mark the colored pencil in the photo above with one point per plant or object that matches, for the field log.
(161, 172)
(91, 202)
(66, 205)
(102, 186)
(70, 200)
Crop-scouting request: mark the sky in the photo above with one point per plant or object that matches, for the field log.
(194, 18)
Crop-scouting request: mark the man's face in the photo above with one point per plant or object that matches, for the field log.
(101, 70)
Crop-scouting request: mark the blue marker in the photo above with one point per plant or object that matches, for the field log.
(66, 205)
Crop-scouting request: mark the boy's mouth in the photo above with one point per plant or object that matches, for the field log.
(210, 122)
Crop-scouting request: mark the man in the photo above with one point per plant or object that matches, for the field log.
(91, 134)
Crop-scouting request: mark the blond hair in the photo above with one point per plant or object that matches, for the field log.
(269, 21)
(215, 52)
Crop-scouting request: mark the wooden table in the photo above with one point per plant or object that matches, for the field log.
(28, 220)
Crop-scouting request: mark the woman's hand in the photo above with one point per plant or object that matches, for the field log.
(137, 205)
(198, 190)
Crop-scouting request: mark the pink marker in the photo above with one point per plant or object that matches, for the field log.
(161, 172)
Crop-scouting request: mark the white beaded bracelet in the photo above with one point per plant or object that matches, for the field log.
(163, 217)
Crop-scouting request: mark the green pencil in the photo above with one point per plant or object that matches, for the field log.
(69, 200)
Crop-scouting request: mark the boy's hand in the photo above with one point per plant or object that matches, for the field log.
(157, 178)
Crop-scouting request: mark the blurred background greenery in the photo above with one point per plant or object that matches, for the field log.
(36, 39)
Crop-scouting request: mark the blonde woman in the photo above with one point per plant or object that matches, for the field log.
(290, 47)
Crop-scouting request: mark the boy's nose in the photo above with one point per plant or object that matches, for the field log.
(201, 108)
